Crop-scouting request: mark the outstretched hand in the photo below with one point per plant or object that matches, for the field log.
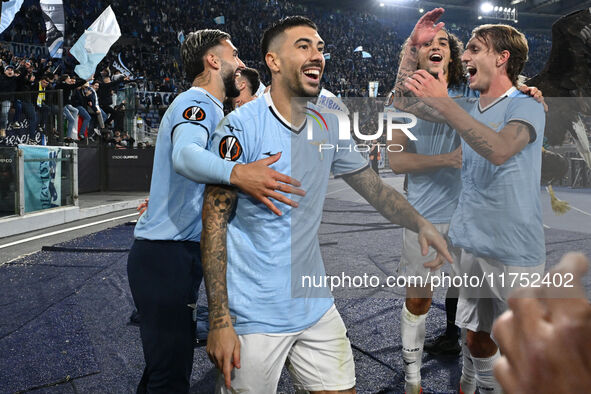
(426, 28)
(262, 182)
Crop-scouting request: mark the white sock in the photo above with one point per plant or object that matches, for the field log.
(468, 379)
(485, 380)
(412, 330)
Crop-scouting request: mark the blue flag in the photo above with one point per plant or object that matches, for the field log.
(9, 10)
(365, 55)
(220, 20)
(326, 56)
(181, 36)
(358, 49)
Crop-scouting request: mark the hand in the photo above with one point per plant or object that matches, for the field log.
(143, 206)
(535, 93)
(544, 337)
(424, 85)
(260, 181)
(429, 236)
(455, 158)
(426, 27)
(223, 349)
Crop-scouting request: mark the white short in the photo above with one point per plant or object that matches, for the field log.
(479, 307)
(411, 260)
(319, 358)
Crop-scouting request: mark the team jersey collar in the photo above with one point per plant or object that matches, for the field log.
(280, 118)
(508, 93)
(214, 99)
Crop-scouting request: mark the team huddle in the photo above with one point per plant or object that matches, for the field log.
(473, 201)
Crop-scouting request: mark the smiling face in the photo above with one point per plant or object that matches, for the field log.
(481, 64)
(300, 61)
(435, 55)
(231, 66)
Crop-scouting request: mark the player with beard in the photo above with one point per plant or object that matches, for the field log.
(164, 264)
(261, 311)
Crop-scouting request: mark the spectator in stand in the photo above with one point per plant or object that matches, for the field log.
(68, 85)
(79, 102)
(7, 86)
(105, 95)
(127, 140)
(24, 85)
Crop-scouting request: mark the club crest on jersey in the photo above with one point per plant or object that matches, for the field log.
(194, 113)
(230, 148)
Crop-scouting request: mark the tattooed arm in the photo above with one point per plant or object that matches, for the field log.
(403, 99)
(394, 207)
(223, 347)
(494, 147)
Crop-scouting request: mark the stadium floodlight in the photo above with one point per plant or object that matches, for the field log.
(421, 10)
(479, 17)
(496, 8)
(381, 4)
(486, 7)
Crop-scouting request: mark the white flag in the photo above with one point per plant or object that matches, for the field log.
(95, 43)
(9, 10)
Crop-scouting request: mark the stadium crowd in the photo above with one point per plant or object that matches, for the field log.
(149, 48)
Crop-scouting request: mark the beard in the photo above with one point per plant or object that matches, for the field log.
(297, 86)
(229, 80)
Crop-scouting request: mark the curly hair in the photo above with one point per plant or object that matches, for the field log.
(456, 74)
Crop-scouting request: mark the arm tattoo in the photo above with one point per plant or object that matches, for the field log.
(477, 142)
(389, 203)
(219, 203)
(404, 100)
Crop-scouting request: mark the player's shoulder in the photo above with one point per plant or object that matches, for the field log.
(195, 105)
(519, 99)
(248, 114)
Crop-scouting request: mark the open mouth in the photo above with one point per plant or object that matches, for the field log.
(471, 70)
(238, 73)
(436, 58)
(312, 73)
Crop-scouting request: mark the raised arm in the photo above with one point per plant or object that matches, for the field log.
(394, 207)
(223, 347)
(423, 32)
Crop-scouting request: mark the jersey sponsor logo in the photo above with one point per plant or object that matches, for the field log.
(230, 148)
(194, 113)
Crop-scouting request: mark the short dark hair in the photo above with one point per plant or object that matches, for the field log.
(47, 76)
(196, 44)
(279, 27)
(505, 38)
(253, 79)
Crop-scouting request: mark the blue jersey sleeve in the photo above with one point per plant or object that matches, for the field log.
(193, 121)
(528, 111)
(229, 141)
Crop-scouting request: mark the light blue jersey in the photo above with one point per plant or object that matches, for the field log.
(499, 213)
(174, 211)
(267, 254)
(434, 194)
